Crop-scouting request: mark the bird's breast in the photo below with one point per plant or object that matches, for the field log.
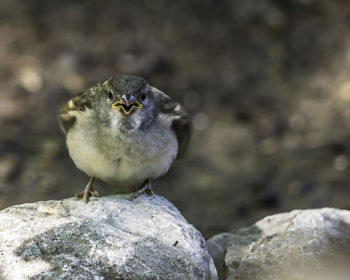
(119, 159)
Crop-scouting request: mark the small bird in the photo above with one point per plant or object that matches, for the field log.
(124, 132)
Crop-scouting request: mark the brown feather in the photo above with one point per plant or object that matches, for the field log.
(182, 128)
(78, 103)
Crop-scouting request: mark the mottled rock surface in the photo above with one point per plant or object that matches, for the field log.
(108, 238)
(299, 245)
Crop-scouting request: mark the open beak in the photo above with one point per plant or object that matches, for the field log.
(127, 106)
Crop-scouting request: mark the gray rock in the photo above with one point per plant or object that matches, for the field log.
(108, 238)
(299, 245)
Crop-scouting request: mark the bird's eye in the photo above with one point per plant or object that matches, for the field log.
(110, 95)
(143, 96)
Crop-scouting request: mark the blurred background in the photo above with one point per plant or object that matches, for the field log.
(267, 83)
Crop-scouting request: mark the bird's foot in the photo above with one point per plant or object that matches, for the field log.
(88, 192)
(146, 188)
(149, 190)
(86, 195)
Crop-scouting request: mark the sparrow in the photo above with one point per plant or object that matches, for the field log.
(124, 132)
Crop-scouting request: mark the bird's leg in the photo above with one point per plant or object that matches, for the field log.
(89, 191)
(149, 190)
(145, 188)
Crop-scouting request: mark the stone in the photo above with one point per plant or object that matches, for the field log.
(111, 237)
(299, 245)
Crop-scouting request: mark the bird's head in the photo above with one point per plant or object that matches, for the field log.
(128, 101)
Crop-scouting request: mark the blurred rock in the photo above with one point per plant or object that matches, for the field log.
(108, 238)
(299, 245)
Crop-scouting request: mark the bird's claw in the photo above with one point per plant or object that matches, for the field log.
(145, 189)
(86, 195)
(88, 192)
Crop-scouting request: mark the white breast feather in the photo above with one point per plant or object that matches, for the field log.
(124, 164)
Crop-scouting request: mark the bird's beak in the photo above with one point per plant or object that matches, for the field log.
(127, 105)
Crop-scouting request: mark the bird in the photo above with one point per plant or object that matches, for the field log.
(125, 133)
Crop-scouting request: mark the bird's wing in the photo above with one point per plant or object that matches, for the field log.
(182, 129)
(172, 111)
(68, 113)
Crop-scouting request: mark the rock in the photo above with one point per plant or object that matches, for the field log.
(299, 245)
(108, 238)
